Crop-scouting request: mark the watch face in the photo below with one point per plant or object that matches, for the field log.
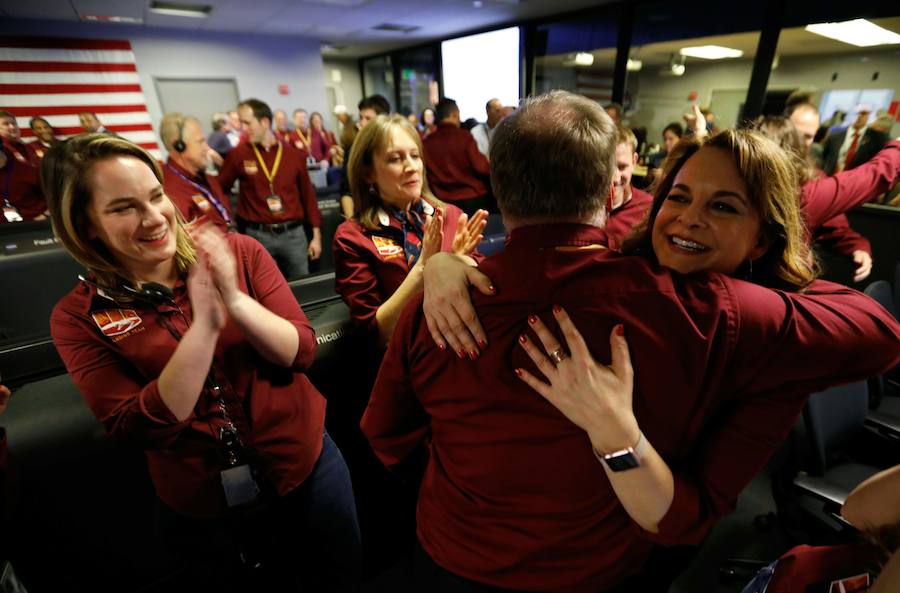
(622, 461)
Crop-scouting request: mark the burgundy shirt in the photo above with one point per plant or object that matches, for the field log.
(623, 218)
(513, 496)
(116, 352)
(297, 140)
(20, 184)
(456, 169)
(836, 235)
(322, 141)
(37, 150)
(369, 266)
(291, 184)
(191, 194)
(825, 198)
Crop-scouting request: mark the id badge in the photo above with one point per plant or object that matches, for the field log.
(239, 485)
(12, 215)
(274, 203)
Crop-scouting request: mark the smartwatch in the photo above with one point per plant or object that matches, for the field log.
(622, 460)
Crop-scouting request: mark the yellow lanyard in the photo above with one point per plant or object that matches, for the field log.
(262, 163)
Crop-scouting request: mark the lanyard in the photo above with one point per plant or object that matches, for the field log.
(206, 192)
(262, 163)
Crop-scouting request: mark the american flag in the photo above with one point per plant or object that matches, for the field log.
(58, 78)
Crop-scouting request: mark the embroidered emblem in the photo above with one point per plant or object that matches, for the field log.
(250, 167)
(387, 248)
(201, 202)
(115, 322)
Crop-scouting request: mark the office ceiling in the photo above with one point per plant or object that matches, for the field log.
(347, 25)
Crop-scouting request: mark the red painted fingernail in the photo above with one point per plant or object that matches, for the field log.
(522, 339)
(532, 319)
(491, 288)
(557, 309)
(482, 343)
(442, 347)
(461, 353)
(473, 354)
(620, 330)
(519, 372)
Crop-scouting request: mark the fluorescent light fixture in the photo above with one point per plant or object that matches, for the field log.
(174, 9)
(112, 19)
(584, 59)
(858, 32)
(710, 52)
(634, 65)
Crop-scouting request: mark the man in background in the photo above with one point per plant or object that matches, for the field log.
(44, 138)
(457, 172)
(219, 140)
(91, 123)
(185, 180)
(484, 132)
(369, 108)
(853, 146)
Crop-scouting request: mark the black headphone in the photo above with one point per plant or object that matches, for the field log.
(179, 146)
(150, 293)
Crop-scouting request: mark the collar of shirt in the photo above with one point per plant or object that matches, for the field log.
(560, 234)
(386, 220)
(198, 177)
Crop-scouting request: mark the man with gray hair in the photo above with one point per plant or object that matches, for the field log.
(184, 174)
(532, 490)
(218, 140)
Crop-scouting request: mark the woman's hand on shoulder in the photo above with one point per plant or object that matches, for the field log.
(469, 232)
(211, 242)
(448, 308)
(206, 302)
(595, 397)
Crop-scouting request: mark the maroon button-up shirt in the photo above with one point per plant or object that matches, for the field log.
(456, 170)
(622, 219)
(837, 235)
(513, 496)
(291, 184)
(116, 352)
(20, 185)
(192, 193)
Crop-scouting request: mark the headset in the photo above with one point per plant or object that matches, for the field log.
(178, 145)
(150, 293)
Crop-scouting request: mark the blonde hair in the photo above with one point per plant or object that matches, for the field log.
(372, 138)
(171, 128)
(624, 135)
(773, 191)
(65, 177)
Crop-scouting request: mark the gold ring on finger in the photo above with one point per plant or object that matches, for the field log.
(558, 355)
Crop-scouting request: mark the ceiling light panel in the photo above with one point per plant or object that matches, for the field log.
(177, 9)
(858, 32)
(711, 52)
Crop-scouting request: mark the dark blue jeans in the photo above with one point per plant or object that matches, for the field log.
(305, 541)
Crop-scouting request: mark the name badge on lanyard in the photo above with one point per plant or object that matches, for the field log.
(273, 200)
(276, 206)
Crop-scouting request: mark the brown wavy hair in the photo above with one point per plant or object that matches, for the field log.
(372, 138)
(65, 178)
(773, 191)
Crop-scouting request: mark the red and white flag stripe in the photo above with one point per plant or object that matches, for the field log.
(58, 78)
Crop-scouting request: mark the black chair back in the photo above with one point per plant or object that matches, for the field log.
(881, 292)
(832, 418)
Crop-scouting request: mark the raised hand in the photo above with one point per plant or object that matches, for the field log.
(433, 239)
(469, 232)
(206, 302)
(211, 243)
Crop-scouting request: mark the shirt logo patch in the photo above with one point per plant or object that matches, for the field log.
(115, 322)
(387, 248)
(250, 167)
(201, 202)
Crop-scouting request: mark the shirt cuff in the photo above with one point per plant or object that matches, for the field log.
(155, 409)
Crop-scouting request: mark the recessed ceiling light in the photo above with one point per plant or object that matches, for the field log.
(710, 52)
(175, 9)
(634, 65)
(111, 18)
(858, 32)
